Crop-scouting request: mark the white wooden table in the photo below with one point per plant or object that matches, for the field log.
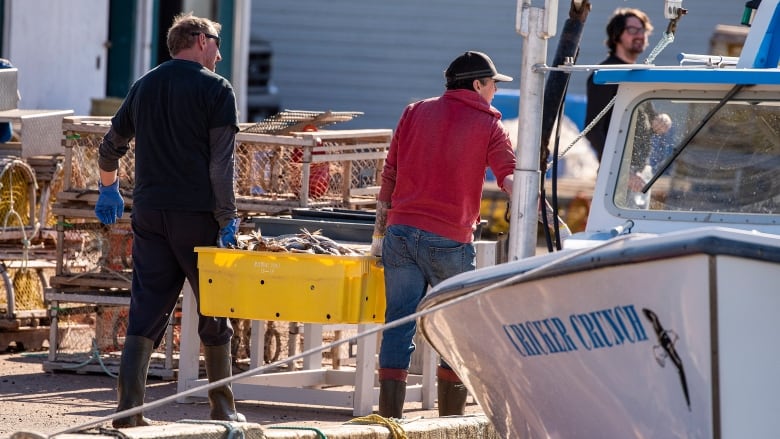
(314, 384)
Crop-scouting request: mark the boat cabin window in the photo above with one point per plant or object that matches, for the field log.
(728, 163)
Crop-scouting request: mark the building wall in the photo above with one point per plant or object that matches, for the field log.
(376, 57)
(61, 56)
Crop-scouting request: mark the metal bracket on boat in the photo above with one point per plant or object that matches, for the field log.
(569, 68)
(622, 229)
(710, 61)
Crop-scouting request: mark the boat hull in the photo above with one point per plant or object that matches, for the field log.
(639, 342)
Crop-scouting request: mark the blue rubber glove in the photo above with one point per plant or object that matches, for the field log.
(110, 205)
(227, 234)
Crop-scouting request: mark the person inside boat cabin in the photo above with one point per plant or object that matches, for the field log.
(428, 208)
(627, 37)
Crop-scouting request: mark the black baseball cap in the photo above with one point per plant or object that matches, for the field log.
(473, 65)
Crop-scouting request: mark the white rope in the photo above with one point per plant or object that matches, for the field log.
(587, 129)
(666, 40)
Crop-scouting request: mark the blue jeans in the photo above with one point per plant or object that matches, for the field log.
(413, 259)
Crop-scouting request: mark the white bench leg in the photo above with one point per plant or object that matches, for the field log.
(430, 362)
(365, 365)
(189, 343)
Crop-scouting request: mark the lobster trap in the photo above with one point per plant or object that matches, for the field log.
(274, 172)
(89, 298)
(17, 194)
(339, 168)
(21, 214)
(81, 173)
(89, 334)
(23, 252)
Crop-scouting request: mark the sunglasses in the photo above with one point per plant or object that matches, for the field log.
(634, 30)
(213, 37)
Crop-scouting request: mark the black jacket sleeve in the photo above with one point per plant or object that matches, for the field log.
(222, 141)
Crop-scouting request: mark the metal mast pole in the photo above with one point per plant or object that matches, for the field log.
(535, 25)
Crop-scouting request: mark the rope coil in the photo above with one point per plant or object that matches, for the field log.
(392, 424)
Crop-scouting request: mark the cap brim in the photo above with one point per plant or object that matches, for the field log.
(502, 78)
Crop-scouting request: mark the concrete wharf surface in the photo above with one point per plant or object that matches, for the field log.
(460, 427)
(43, 404)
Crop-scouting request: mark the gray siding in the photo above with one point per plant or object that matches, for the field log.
(376, 57)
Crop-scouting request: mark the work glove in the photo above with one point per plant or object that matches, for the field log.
(110, 205)
(376, 245)
(227, 235)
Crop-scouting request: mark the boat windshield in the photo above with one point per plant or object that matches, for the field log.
(731, 165)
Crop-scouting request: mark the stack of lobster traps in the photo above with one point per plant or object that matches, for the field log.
(89, 293)
(30, 168)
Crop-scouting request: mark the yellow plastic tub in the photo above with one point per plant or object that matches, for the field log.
(293, 287)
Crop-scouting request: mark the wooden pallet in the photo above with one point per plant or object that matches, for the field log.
(23, 318)
(24, 338)
(157, 367)
(45, 167)
(114, 283)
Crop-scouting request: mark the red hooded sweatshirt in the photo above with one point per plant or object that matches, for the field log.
(436, 165)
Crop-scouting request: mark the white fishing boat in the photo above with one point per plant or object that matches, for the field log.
(660, 319)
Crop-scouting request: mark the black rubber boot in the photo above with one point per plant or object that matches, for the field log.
(131, 388)
(218, 366)
(392, 392)
(452, 393)
(392, 395)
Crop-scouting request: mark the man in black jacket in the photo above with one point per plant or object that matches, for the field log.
(627, 37)
(184, 120)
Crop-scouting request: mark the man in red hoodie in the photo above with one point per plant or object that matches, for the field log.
(428, 209)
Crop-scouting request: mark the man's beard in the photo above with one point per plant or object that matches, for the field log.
(636, 48)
